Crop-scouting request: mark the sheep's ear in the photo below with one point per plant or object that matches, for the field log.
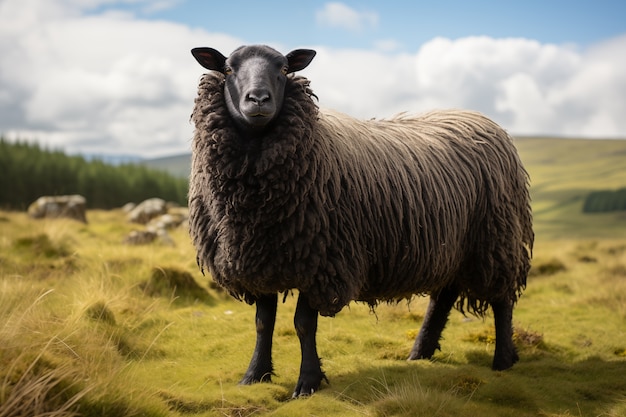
(299, 59)
(209, 58)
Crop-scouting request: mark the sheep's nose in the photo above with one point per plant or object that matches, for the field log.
(258, 97)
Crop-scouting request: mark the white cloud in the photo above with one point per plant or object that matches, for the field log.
(528, 87)
(363, 83)
(117, 84)
(101, 83)
(338, 15)
(154, 6)
(387, 45)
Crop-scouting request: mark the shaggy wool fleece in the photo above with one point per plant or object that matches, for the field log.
(343, 209)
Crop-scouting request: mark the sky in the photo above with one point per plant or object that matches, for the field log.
(116, 76)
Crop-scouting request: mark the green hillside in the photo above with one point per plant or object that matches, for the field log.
(563, 172)
(178, 165)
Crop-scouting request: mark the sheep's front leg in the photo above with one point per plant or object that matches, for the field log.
(311, 375)
(260, 368)
(427, 341)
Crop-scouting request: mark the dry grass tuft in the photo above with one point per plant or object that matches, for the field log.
(527, 338)
(100, 312)
(547, 268)
(522, 338)
(176, 283)
(42, 245)
(50, 394)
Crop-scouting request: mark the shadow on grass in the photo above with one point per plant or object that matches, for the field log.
(536, 386)
(545, 386)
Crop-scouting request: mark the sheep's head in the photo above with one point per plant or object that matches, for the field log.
(255, 80)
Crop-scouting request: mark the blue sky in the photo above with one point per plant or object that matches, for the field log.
(116, 76)
(409, 23)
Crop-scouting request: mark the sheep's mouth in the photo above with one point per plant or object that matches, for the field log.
(258, 119)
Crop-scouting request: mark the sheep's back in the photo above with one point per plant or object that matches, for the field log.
(423, 194)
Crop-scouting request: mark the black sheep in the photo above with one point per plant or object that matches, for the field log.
(284, 196)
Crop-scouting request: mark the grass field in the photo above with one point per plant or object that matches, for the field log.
(92, 327)
(563, 171)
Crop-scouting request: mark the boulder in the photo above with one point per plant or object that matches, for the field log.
(140, 237)
(145, 237)
(168, 221)
(128, 207)
(147, 210)
(68, 206)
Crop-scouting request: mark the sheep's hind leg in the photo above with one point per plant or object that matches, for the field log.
(260, 368)
(311, 375)
(427, 341)
(506, 354)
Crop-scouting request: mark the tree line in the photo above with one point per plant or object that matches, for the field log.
(28, 171)
(605, 201)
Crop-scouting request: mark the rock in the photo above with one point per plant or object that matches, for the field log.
(147, 210)
(167, 221)
(140, 237)
(128, 207)
(67, 206)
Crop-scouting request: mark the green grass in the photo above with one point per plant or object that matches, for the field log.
(563, 172)
(92, 327)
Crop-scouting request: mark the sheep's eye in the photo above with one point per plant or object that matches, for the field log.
(284, 70)
(228, 70)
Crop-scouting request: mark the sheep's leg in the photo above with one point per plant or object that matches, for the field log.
(260, 368)
(427, 341)
(506, 354)
(311, 375)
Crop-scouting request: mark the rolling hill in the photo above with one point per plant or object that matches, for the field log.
(179, 165)
(563, 172)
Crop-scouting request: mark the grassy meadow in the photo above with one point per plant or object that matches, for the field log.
(91, 327)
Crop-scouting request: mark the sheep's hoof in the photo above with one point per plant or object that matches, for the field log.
(302, 394)
(420, 351)
(308, 384)
(249, 379)
(504, 362)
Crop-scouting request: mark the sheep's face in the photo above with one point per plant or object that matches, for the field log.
(255, 81)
